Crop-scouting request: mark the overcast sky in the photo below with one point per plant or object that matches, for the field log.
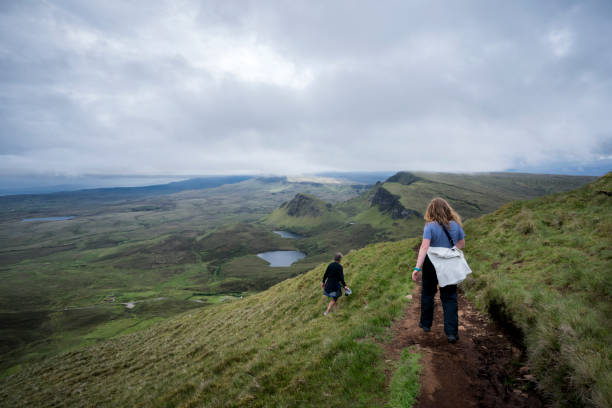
(290, 87)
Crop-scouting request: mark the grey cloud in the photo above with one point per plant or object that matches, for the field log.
(271, 86)
(605, 147)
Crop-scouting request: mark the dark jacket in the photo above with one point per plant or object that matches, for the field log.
(334, 276)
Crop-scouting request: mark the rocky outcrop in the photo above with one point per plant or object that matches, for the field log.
(389, 203)
(304, 205)
(403, 177)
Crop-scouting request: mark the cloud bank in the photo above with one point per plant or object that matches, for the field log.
(211, 87)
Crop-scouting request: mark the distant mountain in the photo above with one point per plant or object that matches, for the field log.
(304, 205)
(403, 177)
(159, 189)
(113, 192)
(81, 201)
(304, 212)
(49, 183)
(389, 203)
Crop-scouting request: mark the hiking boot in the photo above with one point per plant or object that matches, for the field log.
(425, 329)
(452, 339)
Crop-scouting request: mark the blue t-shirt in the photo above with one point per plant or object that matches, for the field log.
(436, 234)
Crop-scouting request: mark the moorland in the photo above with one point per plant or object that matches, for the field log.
(67, 283)
(129, 260)
(274, 347)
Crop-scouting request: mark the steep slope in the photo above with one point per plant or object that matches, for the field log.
(274, 348)
(543, 267)
(389, 203)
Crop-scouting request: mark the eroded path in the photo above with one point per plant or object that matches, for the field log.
(481, 370)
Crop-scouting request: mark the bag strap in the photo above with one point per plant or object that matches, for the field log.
(448, 235)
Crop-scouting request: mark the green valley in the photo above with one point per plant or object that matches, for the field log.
(68, 283)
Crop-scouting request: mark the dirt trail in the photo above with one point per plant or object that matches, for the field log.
(481, 370)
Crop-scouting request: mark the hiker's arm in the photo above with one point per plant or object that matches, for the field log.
(460, 244)
(421, 258)
(423, 252)
(324, 277)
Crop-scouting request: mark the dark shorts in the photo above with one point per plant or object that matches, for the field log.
(334, 295)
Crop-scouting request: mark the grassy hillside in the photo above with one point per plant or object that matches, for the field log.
(544, 267)
(274, 348)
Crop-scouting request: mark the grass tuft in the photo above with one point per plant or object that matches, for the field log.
(404, 387)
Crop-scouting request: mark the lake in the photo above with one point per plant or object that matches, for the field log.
(287, 234)
(48, 219)
(281, 258)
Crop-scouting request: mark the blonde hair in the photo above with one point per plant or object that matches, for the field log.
(439, 210)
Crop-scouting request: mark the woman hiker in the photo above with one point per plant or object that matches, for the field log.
(440, 216)
(333, 281)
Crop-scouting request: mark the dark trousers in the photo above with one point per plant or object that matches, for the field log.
(448, 296)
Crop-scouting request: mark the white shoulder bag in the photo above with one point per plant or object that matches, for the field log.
(451, 266)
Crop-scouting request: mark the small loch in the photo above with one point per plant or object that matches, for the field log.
(281, 258)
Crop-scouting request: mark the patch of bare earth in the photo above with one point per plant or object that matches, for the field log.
(483, 369)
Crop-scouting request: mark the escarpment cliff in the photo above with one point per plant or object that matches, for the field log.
(403, 177)
(305, 205)
(389, 203)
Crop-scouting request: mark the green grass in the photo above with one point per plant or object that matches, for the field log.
(114, 328)
(274, 348)
(388, 228)
(342, 238)
(544, 268)
(404, 387)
